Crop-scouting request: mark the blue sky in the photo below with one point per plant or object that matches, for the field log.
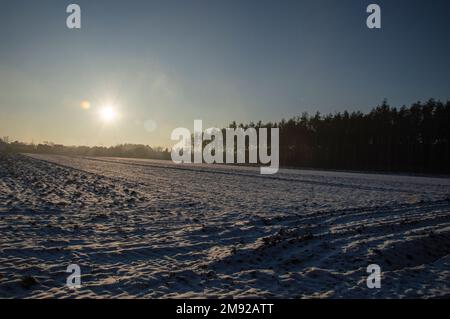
(169, 62)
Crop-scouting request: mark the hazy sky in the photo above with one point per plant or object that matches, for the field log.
(162, 64)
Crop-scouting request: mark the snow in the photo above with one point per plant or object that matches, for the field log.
(154, 229)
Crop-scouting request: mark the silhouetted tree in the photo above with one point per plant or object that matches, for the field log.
(414, 139)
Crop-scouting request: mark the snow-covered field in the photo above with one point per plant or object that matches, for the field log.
(153, 229)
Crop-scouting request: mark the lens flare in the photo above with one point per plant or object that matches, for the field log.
(85, 105)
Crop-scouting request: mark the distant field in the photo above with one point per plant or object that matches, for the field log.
(144, 228)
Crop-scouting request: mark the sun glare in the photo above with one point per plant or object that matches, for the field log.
(108, 114)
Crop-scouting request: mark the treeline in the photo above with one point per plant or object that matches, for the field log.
(122, 150)
(406, 139)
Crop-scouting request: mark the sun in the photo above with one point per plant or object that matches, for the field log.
(108, 114)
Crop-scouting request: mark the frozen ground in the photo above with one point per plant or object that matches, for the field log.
(141, 228)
